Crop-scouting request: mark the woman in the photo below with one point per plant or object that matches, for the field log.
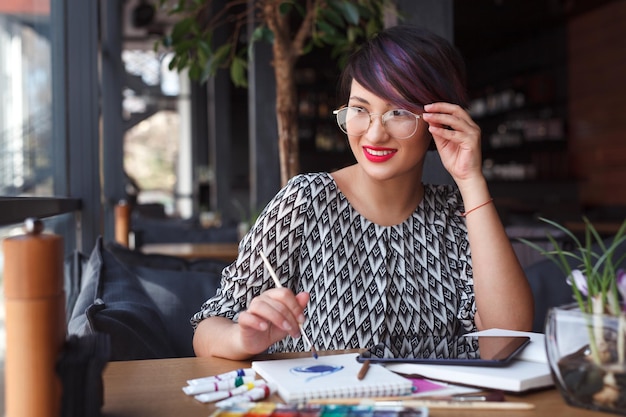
(368, 254)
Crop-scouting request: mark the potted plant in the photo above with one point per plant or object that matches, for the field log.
(293, 27)
(586, 341)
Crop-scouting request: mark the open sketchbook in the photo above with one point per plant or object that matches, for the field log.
(529, 370)
(333, 376)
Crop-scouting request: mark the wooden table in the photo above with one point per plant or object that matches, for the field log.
(223, 251)
(154, 388)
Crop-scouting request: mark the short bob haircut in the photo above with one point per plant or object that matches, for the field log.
(409, 67)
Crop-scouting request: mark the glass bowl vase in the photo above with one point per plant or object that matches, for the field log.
(586, 353)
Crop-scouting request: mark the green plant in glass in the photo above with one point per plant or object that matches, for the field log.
(591, 268)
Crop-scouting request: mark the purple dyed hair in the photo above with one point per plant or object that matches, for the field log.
(409, 67)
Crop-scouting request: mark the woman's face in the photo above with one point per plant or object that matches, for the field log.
(381, 155)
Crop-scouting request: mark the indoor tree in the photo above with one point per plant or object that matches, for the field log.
(294, 28)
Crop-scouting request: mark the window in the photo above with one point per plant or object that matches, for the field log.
(26, 102)
(44, 123)
(153, 134)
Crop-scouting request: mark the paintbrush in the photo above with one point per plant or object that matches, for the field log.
(279, 285)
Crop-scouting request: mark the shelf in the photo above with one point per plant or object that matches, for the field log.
(519, 100)
(527, 147)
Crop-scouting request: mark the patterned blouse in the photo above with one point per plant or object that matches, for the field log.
(369, 284)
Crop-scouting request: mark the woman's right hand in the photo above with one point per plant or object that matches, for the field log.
(270, 317)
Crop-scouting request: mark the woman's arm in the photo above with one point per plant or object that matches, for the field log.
(217, 336)
(261, 313)
(503, 295)
(271, 317)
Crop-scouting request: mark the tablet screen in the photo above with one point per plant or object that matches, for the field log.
(463, 350)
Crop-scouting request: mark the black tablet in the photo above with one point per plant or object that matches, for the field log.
(462, 350)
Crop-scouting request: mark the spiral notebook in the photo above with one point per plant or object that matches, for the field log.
(334, 376)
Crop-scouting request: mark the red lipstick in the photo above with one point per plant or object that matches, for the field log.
(376, 154)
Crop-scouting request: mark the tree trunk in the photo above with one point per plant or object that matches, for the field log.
(286, 112)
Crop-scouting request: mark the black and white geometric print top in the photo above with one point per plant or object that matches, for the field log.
(369, 284)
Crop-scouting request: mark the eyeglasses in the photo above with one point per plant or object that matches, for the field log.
(398, 123)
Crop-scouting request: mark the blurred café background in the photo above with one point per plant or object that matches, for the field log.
(90, 115)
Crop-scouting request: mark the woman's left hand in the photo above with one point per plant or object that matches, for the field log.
(457, 138)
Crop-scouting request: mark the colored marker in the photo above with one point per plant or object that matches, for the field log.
(255, 394)
(224, 376)
(217, 386)
(220, 395)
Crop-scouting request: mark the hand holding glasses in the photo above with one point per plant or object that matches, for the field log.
(398, 123)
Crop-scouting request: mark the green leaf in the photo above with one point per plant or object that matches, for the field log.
(350, 12)
(327, 31)
(238, 72)
(204, 72)
(218, 59)
(258, 34)
(172, 65)
(204, 49)
(181, 29)
(333, 17)
(308, 47)
(372, 27)
(194, 72)
(262, 33)
(182, 62)
(563, 229)
(285, 8)
(316, 40)
(183, 48)
(202, 56)
(221, 54)
(353, 34)
(298, 6)
(268, 34)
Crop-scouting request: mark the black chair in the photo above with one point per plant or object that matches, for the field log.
(549, 285)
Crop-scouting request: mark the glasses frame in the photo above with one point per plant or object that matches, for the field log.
(382, 119)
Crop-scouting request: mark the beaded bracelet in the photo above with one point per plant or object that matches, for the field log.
(476, 208)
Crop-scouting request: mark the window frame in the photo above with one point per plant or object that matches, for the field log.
(76, 130)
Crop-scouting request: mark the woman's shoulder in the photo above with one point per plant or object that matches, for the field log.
(443, 196)
(305, 187)
(312, 178)
(312, 183)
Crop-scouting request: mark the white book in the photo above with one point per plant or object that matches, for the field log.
(529, 370)
(334, 376)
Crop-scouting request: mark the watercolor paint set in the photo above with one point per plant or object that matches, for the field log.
(269, 409)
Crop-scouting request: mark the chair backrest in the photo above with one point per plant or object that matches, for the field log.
(146, 230)
(143, 302)
(549, 285)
